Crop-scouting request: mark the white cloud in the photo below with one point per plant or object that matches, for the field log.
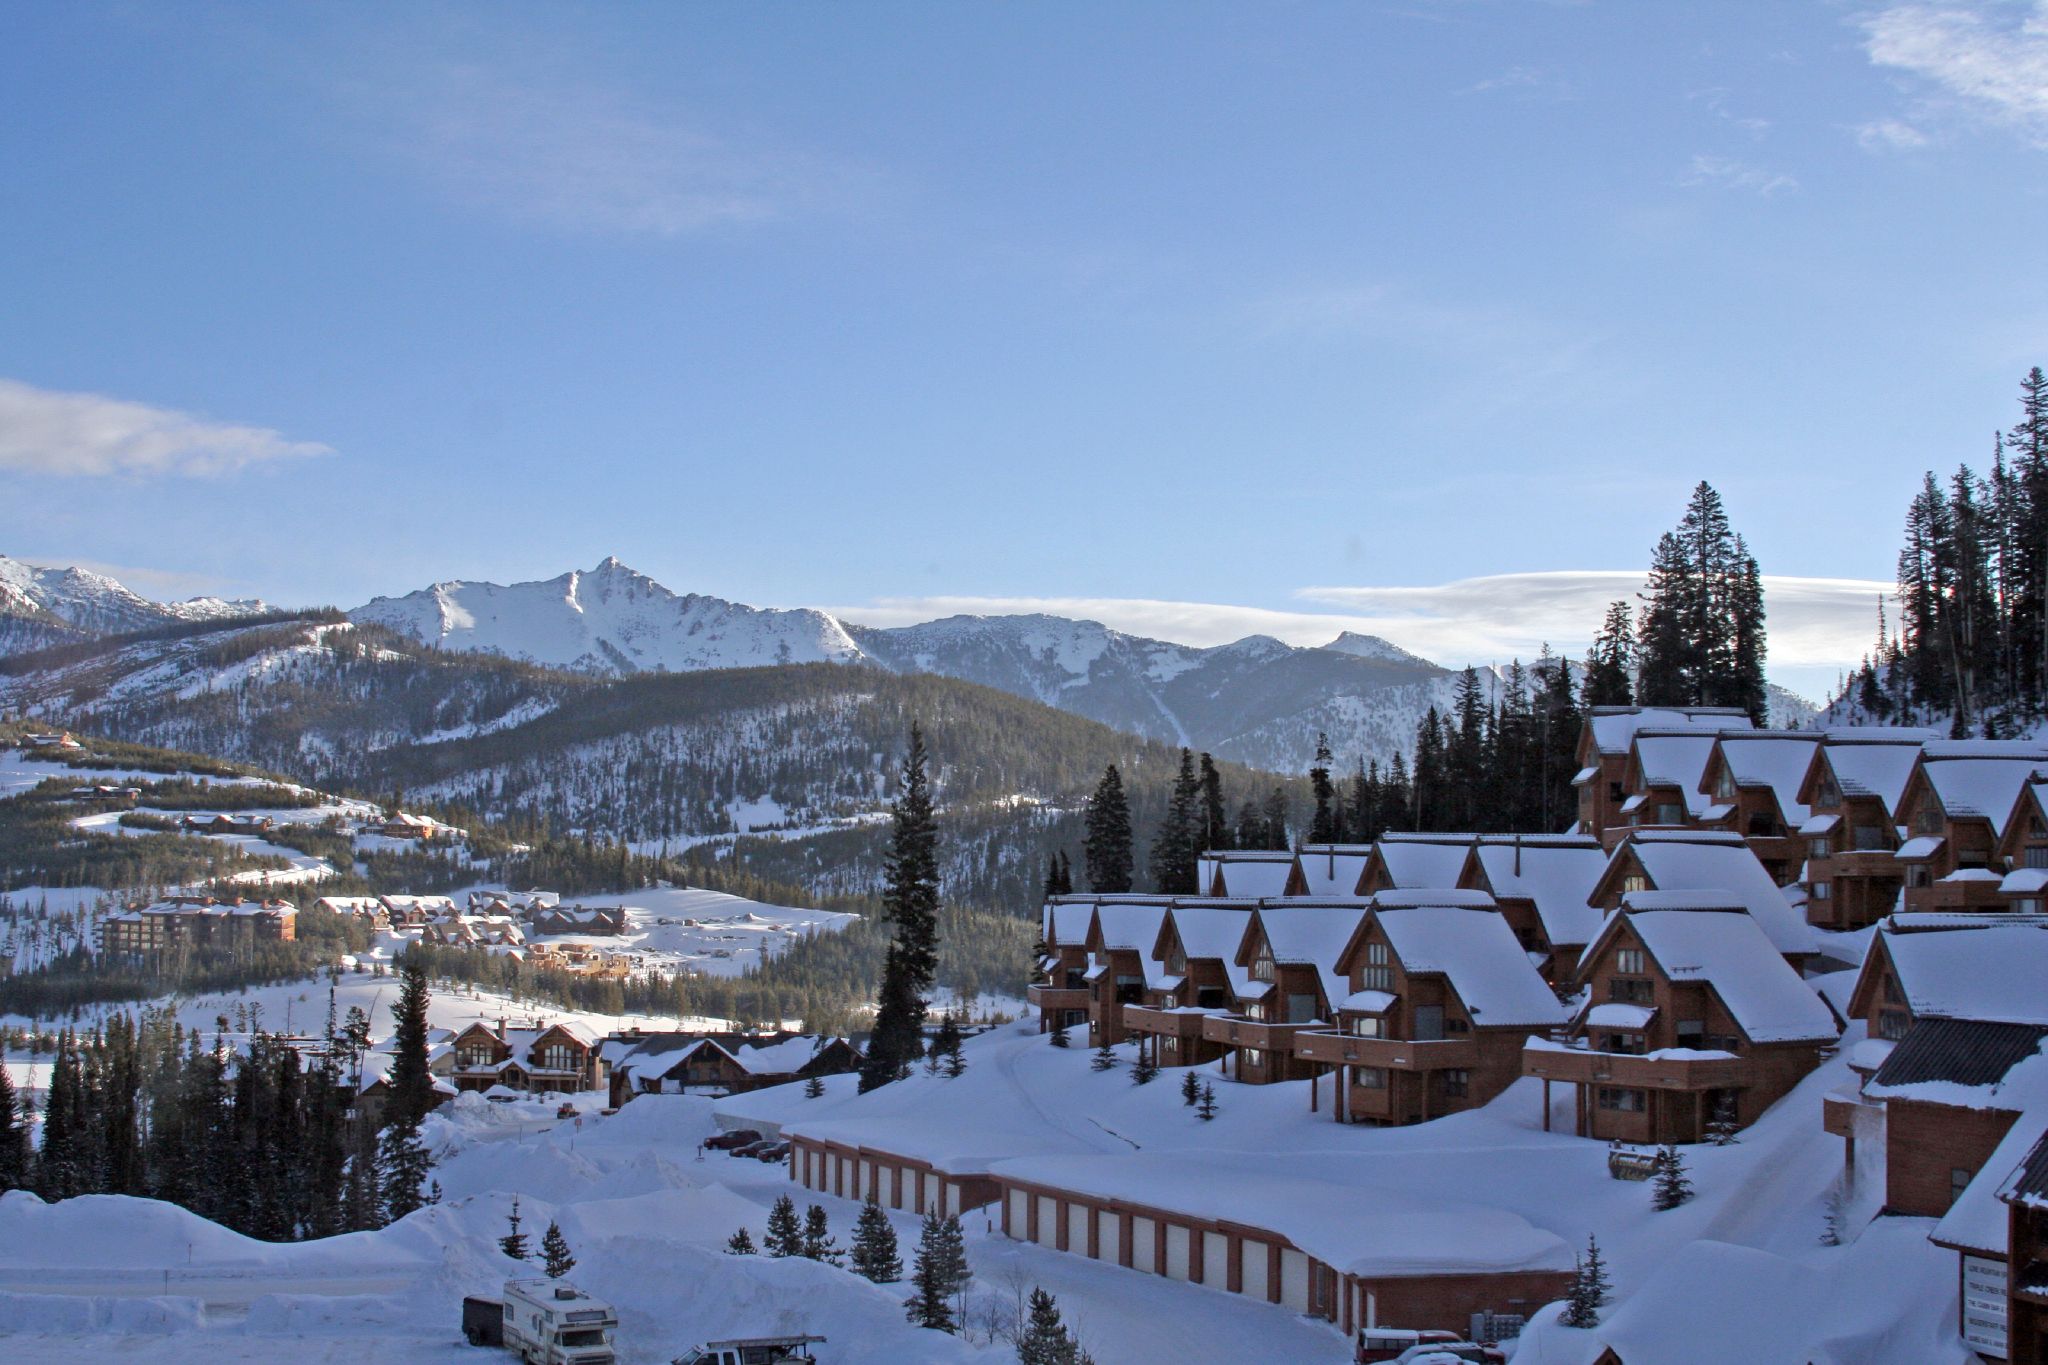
(1992, 58)
(87, 434)
(1814, 623)
(1726, 173)
(1888, 135)
(587, 158)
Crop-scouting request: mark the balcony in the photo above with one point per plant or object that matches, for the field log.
(1582, 1066)
(1050, 997)
(1233, 1031)
(1392, 1054)
(1185, 1024)
(1973, 896)
(1839, 1113)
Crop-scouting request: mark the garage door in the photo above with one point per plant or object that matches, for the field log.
(1048, 1221)
(1109, 1229)
(931, 1188)
(1077, 1229)
(1255, 1270)
(1019, 1226)
(1142, 1234)
(1176, 1251)
(1216, 1261)
(1294, 1280)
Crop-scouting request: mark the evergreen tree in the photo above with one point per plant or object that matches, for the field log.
(555, 1259)
(14, 1149)
(1105, 1057)
(412, 1085)
(1701, 641)
(1672, 1187)
(1216, 830)
(1190, 1087)
(403, 1164)
(785, 1236)
(814, 1088)
(60, 1171)
(1059, 1037)
(1066, 874)
(1610, 664)
(741, 1243)
(1045, 1340)
(1361, 813)
(513, 1243)
(1588, 1288)
(874, 1245)
(946, 1053)
(1746, 609)
(1206, 1110)
(939, 1274)
(910, 902)
(1106, 849)
(1276, 818)
(1251, 827)
(1323, 824)
(1144, 1071)
(817, 1237)
(1174, 851)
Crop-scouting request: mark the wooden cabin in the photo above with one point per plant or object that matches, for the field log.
(1851, 790)
(1543, 884)
(1060, 992)
(1121, 936)
(1752, 781)
(1414, 862)
(1244, 872)
(1605, 744)
(1291, 982)
(1712, 863)
(1329, 871)
(1954, 809)
(1199, 974)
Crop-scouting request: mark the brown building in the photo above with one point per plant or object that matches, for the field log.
(2025, 1195)
(1693, 1019)
(1198, 975)
(602, 921)
(1851, 790)
(1289, 956)
(1752, 782)
(728, 1064)
(1543, 884)
(1121, 937)
(1244, 872)
(1954, 809)
(1060, 992)
(1329, 871)
(1440, 1002)
(550, 1057)
(1711, 863)
(1605, 743)
(1415, 862)
(198, 923)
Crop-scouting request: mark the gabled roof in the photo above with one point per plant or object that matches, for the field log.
(1313, 935)
(1728, 951)
(1210, 929)
(1556, 873)
(1974, 779)
(1777, 759)
(1423, 860)
(1672, 758)
(1992, 970)
(1961, 1052)
(1478, 955)
(1724, 865)
(1613, 728)
(1065, 919)
(1871, 762)
(1245, 872)
(1132, 923)
(1462, 897)
(1332, 869)
(2028, 1183)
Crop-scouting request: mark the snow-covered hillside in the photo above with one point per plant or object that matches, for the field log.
(78, 603)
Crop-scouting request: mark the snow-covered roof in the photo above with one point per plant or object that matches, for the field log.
(1257, 872)
(1462, 897)
(1980, 779)
(1919, 849)
(1615, 728)
(1722, 863)
(2024, 881)
(782, 1058)
(1480, 957)
(1730, 951)
(1065, 920)
(1128, 924)
(1212, 932)
(1666, 759)
(1424, 860)
(1556, 874)
(1777, 759)
(1621, 1016)
(1355, 1227)
(1997, 971)
(1368, 1002)
(1979, 1219)
(1818, 824)
(1314, 935)
(1333, 869)
(1711, 1303)
(1870, 766)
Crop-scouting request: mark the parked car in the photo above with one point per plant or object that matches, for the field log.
(738, 1137)
(1382, 1345)
(753, 1148)
(1450, 1353)
(770, 1151)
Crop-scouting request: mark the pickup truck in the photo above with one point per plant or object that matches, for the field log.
(753, 1351)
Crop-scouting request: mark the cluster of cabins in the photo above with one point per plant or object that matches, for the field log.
(718, 1063)
(1660, 962)
(504, 922)
(177, 922)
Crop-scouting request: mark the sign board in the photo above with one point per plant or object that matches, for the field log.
(1984, 1305)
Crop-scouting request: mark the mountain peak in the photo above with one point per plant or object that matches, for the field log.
(1373, 647)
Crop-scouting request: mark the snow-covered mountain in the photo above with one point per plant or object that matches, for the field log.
(609, 620)
(41, 606)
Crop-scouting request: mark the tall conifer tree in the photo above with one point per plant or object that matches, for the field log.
(1106, 851)
(910, 901)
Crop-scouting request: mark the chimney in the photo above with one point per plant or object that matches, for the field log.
(501, 1028)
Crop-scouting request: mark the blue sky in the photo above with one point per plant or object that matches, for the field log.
(1198, 318)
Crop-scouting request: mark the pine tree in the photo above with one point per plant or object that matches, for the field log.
(554, 1252)
(874, 1245)
(1106, 849)
(1144, 1071)
(1588, 1288)
(1276, 818)
(1216, 831)
(785, 1237)
(1059, 1037)
(1251, 827)
(1671, 1186)
(1190, 1088)
(1174, 858)
(1610, 664)
(513, 1243)
(1045, 1340)
(412, 1085)
(814, 1088)
(1105, 1057)
(14, 1148)
(817, 1237)
(1322, 825)
(910, 902)
(1746, 610)
(741, 1243)
(940, 1273)
(945, 1050)
(1206, 1110)
(403, 1164)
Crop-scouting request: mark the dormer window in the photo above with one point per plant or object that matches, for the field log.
(1262, 963)
(1724, 786)
(1176, 962)
(1629, 961)
(1927, 820)
(1378, 972)
(1826, 792)
(1634, 881)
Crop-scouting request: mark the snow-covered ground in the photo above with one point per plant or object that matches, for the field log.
(647, 1216)
(685, 928)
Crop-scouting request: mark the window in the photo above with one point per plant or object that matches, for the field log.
(1724, 786)
(1690, 1032)
(1670, 814)
(1376, 978)
(1369, 1077)
(1252, 1056)
(1826, 792)
(1868, 839)
(1429, 1023)
(1376, 953)
(1958, 1180)
(1919, 874)
(1457, 1084)
(1368, 1026)
(1927, 820)
(1893, 1024)
(1176, 962)
(1819, 848)
(1262, 963)
(1300, 1008)
(1615, 793)
(1820, 891)
(1628, 1044)
(1635, 881)
(2027, 905)
(1627, 990)
(1621, 1101)
(1629, 961)
(1457, 1026)
(2034, 855)
(559, 1057)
